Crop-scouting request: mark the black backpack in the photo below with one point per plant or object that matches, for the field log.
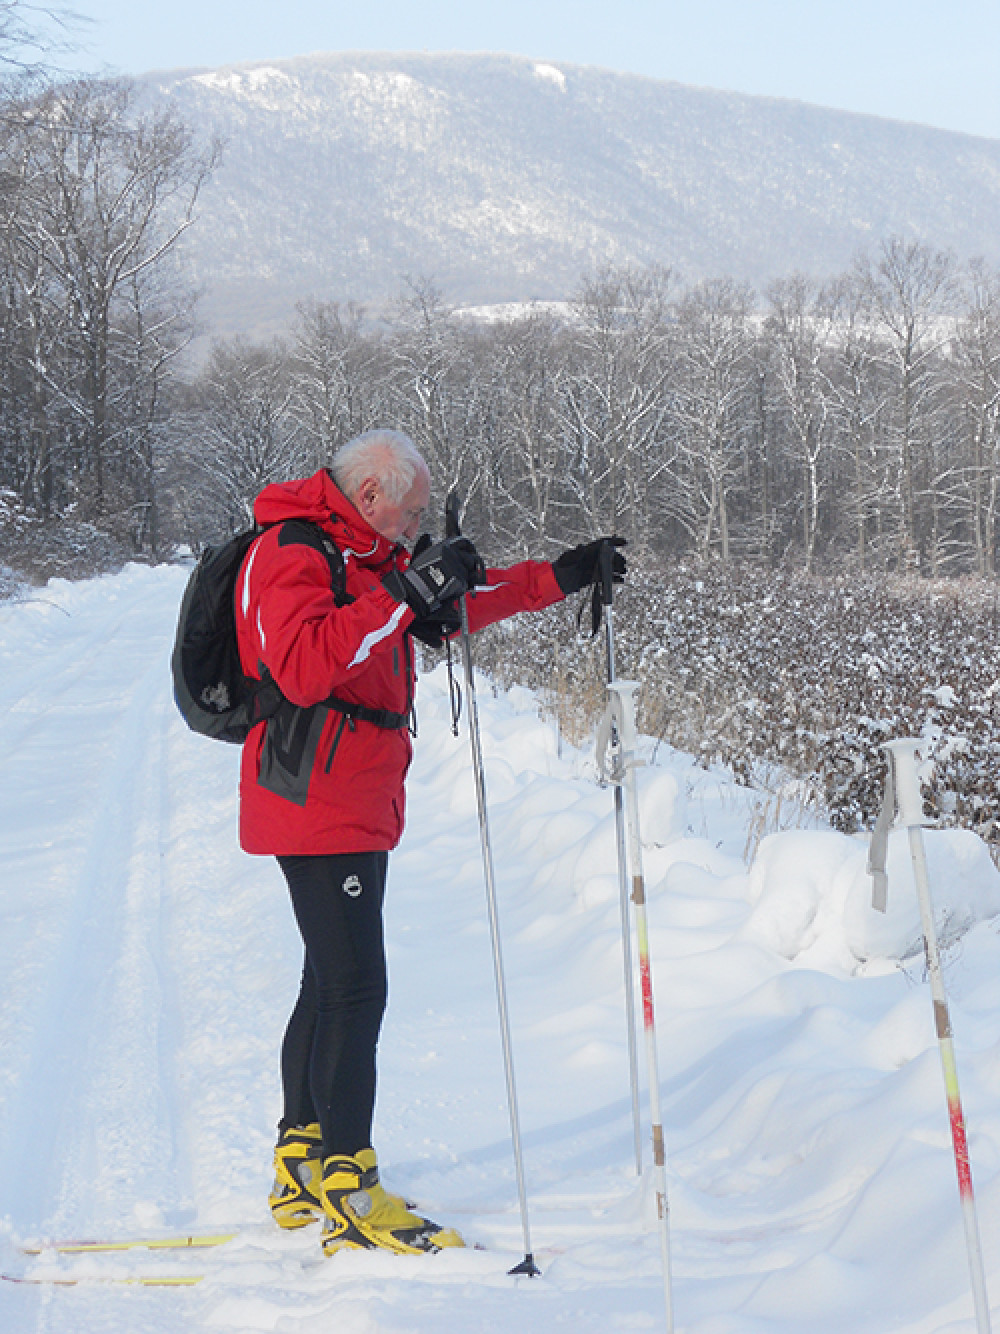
(215, 697)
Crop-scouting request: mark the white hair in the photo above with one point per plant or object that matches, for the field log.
(390, 456)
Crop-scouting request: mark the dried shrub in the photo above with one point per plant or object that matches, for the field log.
(784, 676)
(36, 550)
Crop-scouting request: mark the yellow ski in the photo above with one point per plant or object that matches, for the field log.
(141, 1280)
(179, 1243)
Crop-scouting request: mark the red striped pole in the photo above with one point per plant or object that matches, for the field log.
(620, 728)
(905, 784)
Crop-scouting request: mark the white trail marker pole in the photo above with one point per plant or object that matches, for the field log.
(618, 732)
(903, 800)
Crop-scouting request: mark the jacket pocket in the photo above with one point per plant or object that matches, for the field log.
(289, 752)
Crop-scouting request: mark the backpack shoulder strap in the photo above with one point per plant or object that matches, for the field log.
(301, 532)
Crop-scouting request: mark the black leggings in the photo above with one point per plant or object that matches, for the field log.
(328, 1053)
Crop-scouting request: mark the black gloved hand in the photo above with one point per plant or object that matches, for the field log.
(579, 567)
(440, 625)
(437, 574)
(422, 544)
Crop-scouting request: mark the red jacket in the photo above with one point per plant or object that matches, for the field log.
(311, 781)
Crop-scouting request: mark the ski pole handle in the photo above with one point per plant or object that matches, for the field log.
(606, 582)
(452, 513)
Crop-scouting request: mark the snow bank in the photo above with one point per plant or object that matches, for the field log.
(149, 965)
(812, 896)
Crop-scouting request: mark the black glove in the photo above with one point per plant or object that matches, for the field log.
(440, 625)
(579, 567)
(437, 574)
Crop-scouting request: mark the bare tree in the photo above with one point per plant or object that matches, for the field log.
(617, 396)
(340, 373)
(105, 192)
(241, 432)
(909, 288)
(437, 388)
(976, 369)
(156, 332)
(799, 330)
(30, 335)
(714, 391)
(527, 492)
(30, 33)
(864, 495)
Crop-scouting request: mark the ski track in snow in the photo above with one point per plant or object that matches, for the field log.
(149, 967)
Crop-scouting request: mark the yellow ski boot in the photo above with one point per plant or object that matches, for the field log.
(361, 1215)
(298, 1174)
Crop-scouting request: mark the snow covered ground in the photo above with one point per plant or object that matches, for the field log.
(148, 966)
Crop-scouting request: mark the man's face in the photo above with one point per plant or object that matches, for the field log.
(398, 521)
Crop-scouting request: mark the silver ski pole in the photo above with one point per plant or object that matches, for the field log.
(620, 723)
(902, 794)
(527, 1265)
(607, 594)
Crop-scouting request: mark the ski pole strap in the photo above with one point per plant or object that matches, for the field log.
(596, 614)
(617, 737)
(903, 799)
(604, 587)
(454, 692)
(597, 606)
(878, 848)
(602, 593)
(609, 765)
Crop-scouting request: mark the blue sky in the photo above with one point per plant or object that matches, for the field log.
(924, 60)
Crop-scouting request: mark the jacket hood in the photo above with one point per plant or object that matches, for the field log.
(320, 500)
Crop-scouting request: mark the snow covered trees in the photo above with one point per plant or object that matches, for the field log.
(975, 406)
(852, 424)
(95, 194)
(713, 385)
(848, 424)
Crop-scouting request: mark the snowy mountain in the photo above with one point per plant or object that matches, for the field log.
(506, 179)
(148, 966)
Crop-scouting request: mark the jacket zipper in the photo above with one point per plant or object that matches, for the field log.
(336, 741)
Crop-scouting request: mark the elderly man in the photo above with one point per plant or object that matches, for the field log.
(322, 785)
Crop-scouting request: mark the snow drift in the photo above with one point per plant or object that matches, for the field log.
(149, 966)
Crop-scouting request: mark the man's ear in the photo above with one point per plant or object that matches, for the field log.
(368, 493)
